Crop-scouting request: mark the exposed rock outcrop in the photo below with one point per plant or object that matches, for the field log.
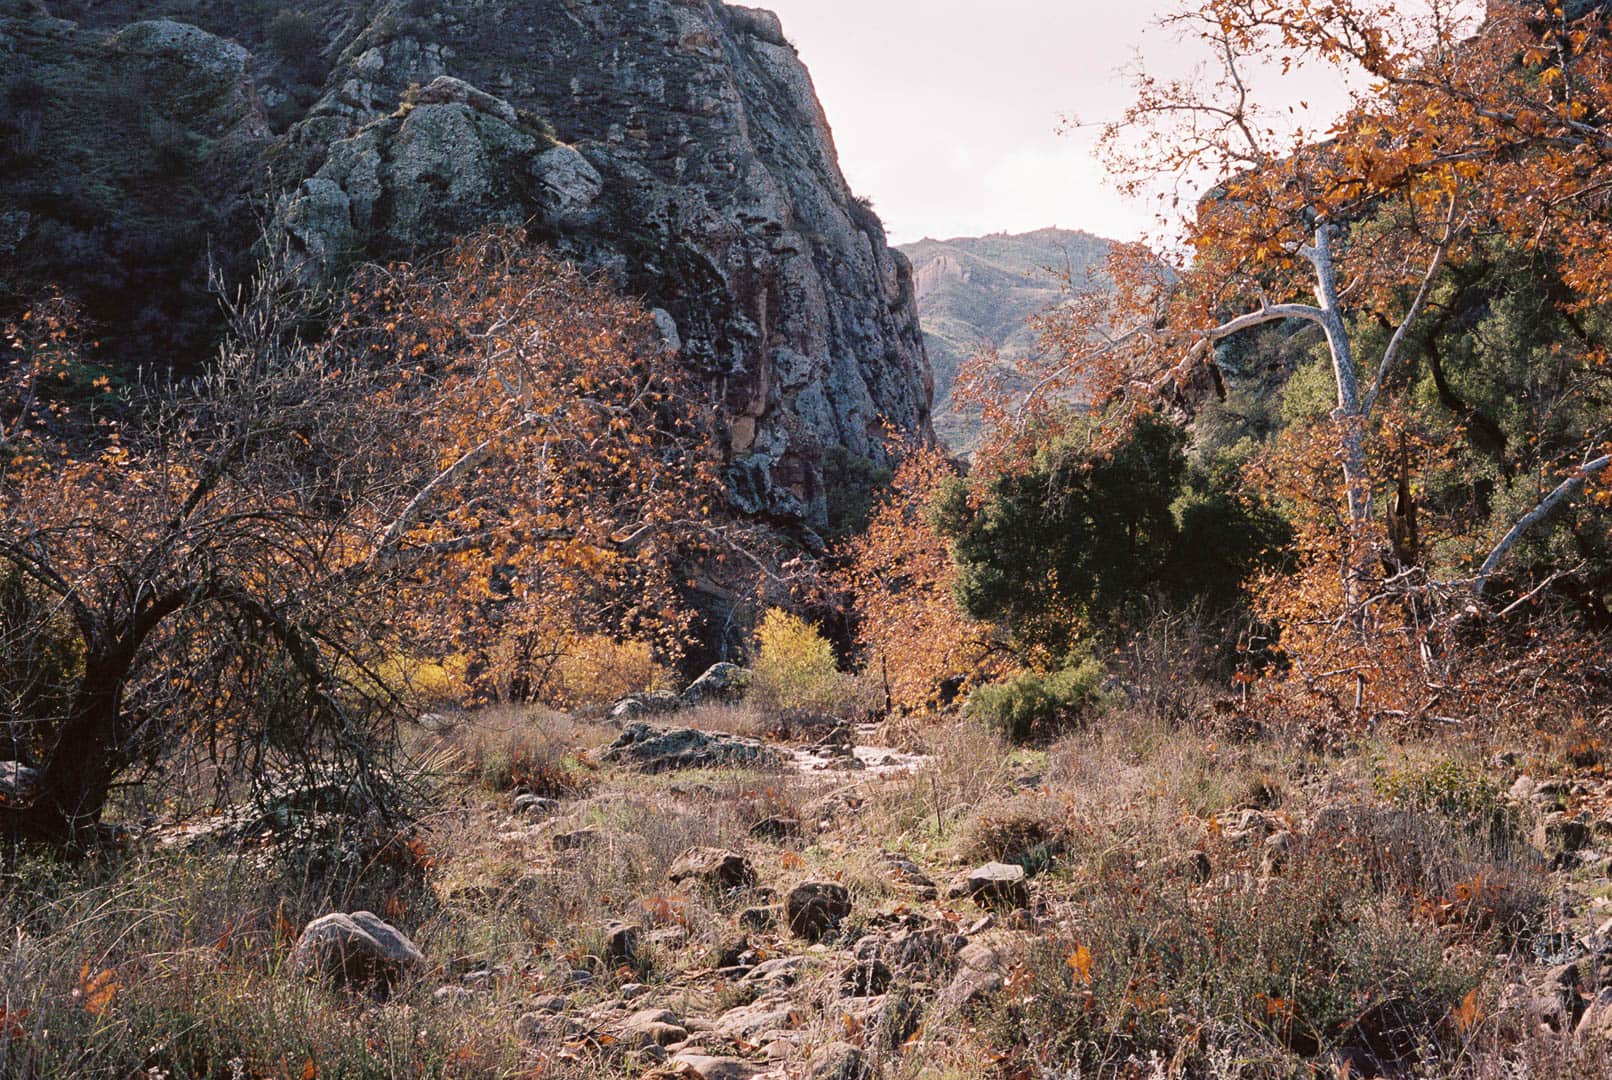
(676, 145)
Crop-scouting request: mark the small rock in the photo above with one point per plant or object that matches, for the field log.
(815, 908)
(997, 885)
(656, 750)
(714, 868)
(622, 942)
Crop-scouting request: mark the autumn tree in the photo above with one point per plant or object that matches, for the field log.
(478, 446)
(1462, 137)
(902, 582)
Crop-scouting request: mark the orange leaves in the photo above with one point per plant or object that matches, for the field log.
(1467, 1014)
(1079, 962)
(97, 991)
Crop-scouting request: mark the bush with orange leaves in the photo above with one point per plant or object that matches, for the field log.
(901, 580)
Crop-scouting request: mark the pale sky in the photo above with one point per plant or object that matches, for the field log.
(946, 112)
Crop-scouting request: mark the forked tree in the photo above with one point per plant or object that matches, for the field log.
(1464, 132)
(474, 449)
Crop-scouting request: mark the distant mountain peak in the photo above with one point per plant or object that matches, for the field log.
(981, 292)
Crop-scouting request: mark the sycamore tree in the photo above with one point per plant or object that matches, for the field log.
(1470, 132)
(476, 449)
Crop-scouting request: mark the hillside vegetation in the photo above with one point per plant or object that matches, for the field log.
(981, 294)
(448, 679)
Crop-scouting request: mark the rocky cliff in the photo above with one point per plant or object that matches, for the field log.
(981, 293)
(676, 144)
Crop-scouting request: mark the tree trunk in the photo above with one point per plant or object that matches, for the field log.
(63, 807)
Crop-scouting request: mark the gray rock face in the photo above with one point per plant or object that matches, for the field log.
(677, 144)
(17, 782)
(354, 950)
(662, 750)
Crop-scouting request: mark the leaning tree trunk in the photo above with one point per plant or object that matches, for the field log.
(62, 804)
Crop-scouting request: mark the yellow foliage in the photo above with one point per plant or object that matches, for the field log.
(795, 670)
(441, 682)
(597, 670)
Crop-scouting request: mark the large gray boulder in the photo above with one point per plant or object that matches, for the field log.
(357, 950)
(17, 782)
(651, 749)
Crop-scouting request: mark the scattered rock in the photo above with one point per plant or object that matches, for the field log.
(656, 750)
(994, 885)
(622, 942)
(714, 868)
(815, 908)
(721, 682)
(636, 706)
(534, 806)
(355, 950)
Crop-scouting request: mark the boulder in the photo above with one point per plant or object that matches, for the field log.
(714, 868)
(815, 908)
(995, 885)
(355, 950)
(694, 1066)
(650, 749)
(721, 682)
(17, 782)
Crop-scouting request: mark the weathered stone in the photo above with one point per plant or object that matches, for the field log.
(714, 868)
(815, 908)
(866, 978)
(995, 885)
(720, 682)
(622, 942)
(355, 950)
(655, 750)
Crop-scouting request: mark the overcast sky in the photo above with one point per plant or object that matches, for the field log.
(946, 112)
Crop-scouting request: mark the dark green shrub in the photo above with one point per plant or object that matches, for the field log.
(294, 36)
(1032, 705)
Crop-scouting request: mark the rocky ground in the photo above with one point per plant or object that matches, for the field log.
(698, 893)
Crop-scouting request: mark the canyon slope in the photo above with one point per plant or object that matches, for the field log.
(980, 294)
(676, 145)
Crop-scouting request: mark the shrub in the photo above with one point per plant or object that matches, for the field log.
(293, 35)
(1033, 706)
(597, 670)
(795, 671)
(1464, 795)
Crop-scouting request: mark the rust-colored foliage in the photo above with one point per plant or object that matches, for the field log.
(900, 576)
